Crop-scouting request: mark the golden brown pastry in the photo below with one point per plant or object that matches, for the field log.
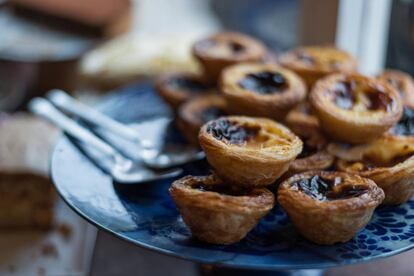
(389, 161)
(248, 151)
(217, 213)
(224, 49)
(329, 207)
(177, 88)
(313, 63)
(193, 114)
(313, 156)
(262, 90)
(401, 81)
(355, 109)
(302, 120)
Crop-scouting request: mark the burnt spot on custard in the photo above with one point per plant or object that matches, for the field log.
(187, 84)
(405, 125)
(325, 189)
(236, 47)
(378, 99)
(221, 189)
(211, 113)
(224, 130)
(265, 82)
(230, 47)
(343, 96)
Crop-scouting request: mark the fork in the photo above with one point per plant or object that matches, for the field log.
(123, 169)
(149, 154)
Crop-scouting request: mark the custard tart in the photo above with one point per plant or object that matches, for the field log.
(302, 120)
(224, 49)
(177, 88)
(314, 155)
(248, 151)
(217, 213)
(313, 63)
(401, 81)
(355, 109)
(389, 161)
(329, 207)
(262, 90)
(193, 114)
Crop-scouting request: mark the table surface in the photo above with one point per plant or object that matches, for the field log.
(55, 252)
(117, 257)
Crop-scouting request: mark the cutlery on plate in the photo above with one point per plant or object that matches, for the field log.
(123, 169)
(150, 155)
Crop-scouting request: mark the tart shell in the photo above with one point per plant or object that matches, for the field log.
(176, 97)
(397, 181)
(329, 222)
(318, 161)
(302, 121)
(244, 166)
(241, 101)
(401, 81)
(189, 120)
(348, 125)
(213, 64)
(312, 73)
(219, 218)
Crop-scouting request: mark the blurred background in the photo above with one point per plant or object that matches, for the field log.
(90, 48)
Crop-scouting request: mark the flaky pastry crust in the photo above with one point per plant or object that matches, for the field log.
(355, 109)
(193, 114)
(389, 161)
(302, 120)
(217, 217)
(314, 63)
(226, 48)
(402, 82)
(177, 88)
(314, 155)
(243, 100)
(248, 151)
(325, 220)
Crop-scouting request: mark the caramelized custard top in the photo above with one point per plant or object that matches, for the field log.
(224, 130)
(222, 48)
(326, 190)
(265, 82)
(352, 95)
(325, 58)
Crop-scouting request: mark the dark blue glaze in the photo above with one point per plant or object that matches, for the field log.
(146, 215)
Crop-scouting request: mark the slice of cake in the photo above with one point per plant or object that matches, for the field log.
(26, 193)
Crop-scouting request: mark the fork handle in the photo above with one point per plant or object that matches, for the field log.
(68, 104)
(45, 109)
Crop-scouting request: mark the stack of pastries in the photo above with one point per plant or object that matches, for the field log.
(330, 143)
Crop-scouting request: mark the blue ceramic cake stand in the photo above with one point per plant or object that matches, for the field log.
(146, 216)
